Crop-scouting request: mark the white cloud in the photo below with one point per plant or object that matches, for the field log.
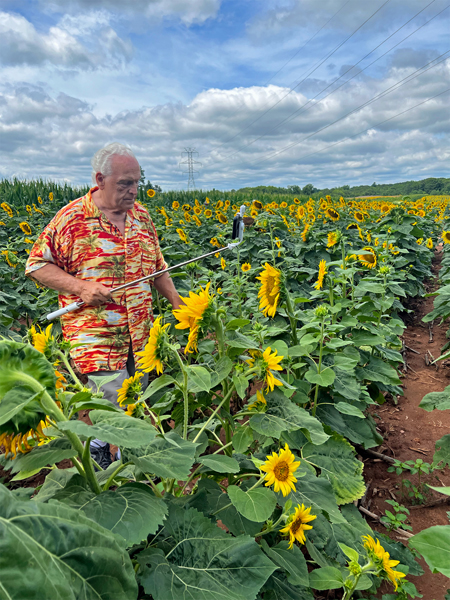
(188, 12)
(56, 136)
(23, 44)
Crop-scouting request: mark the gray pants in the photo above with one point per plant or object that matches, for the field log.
(111, 388)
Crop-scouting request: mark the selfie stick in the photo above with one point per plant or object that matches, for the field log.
(238, 233)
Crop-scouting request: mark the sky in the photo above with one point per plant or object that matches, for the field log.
(268, 92)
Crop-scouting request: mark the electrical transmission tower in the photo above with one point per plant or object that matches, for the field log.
(190, 162)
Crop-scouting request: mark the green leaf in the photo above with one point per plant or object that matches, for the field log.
(280, 346)
(132, 511)
(326, 578)
(118, 429)
(222, 368)
(14, 401)
(337, 462)
(22, 363)
(348, 409)
(436, 400)
(242, 438)
(101, 380)
(361, 337)
(442, 490)
(156, 385)
(236, 323)
(349, 552)
(434, 545)
(67, 555)
(279, 588)
(442, 454)
(96, 404)
(237, 340)
(324, 379)
(284, 415)
(220, 463)
(199, 379)
(315, 492)
(255, 505)
(203, 562)
(54, 482)
(42, 456)
(377, 370)
(25, 475)
(346, 385)
(292, 561)
(241, 384)
(170, 456)
(360, 431)
(371, 287)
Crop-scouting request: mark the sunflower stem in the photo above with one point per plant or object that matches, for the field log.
(78, 385)
(291, 315)
(185, 394)
(114, 474)
(319, 367)
(212, 415)
(269, 529)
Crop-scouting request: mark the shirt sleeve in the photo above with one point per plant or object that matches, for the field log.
(47, 249)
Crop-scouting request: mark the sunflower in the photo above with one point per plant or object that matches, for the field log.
(152, 355)
(332, 214)
(175, 205)
(385, 208)
(2, 223)
(40, 340)
(131, 388)
(192, 314)
(300, 212)
(429, 243)
(369, 258)
(297, 201)
(419, 241)
(10, 258)
(197, 210)
(196, 220)
(257, 204)
(246, 267)
(333, 238)
(187, 217)
(269, 294)
(25, 227)
(8, 210)
(28, 208)
(280, 469)
(321, 276)
(219, 204)
(223, 263)
(305, 232)
(168, 222)
(151, 193)
(208, 213)
(297, 525)
(359, 216)
(222, 218)
(446, 237)
(259, 404)
(186, 207)
(283, 205)
(17, 442)
(369, 237)
(182, 235)
(352, 226)
(50, 197)
(382, 560)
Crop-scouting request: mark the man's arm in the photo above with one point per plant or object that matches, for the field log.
(166, 288)
(91, 292)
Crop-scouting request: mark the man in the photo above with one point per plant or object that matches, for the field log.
(96, 243)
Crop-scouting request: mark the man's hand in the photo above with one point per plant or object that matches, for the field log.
(94, 294)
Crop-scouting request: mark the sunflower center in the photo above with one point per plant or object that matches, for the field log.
(296, 524)
(281, 471)
(271, 286)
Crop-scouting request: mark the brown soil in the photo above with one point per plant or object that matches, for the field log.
(411, 433)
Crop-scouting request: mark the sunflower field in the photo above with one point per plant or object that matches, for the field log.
(240, 469)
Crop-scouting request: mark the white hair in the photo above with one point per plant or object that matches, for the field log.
(101, 161)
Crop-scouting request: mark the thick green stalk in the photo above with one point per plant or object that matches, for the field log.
(86, 460)
(319, 367)
(185, 394)
(114, 474)
(290, 312)
(212, 415)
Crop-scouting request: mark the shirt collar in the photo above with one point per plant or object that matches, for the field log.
(91, 210)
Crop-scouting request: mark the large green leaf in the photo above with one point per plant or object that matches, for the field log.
(326, 578)
(217, 500)
(156, 385)
(220, 463)
(284, 415)
(377, 370)
(65, 555)
(324, 379)
(170, 456)
(346, 385)
(278, 587)
(55, 482)
(203, 562)
(361, 337)
(16, 400)
(42, 456)
(292, 561)
(199, 379)
(114, 428)
(315, 492)
(337, 462)
(132, 511)
(442, 454)
(22, 365)
(255, 505)
(436, 400)
(434, 545)
(360, 431)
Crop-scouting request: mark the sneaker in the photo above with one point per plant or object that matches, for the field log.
(101, 455)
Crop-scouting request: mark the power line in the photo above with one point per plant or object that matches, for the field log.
(382, 94)
(319, 64)
(300, 109)
(190, 162)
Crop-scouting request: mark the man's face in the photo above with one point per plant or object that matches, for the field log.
(119, 189)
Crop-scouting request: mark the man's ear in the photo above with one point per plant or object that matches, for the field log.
(100, 179)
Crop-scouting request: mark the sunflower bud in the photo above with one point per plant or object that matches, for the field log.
(321, 312)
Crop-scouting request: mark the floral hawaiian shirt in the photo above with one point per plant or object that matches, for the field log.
(81, 241)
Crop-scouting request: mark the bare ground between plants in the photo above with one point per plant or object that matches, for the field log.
(410, 432)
